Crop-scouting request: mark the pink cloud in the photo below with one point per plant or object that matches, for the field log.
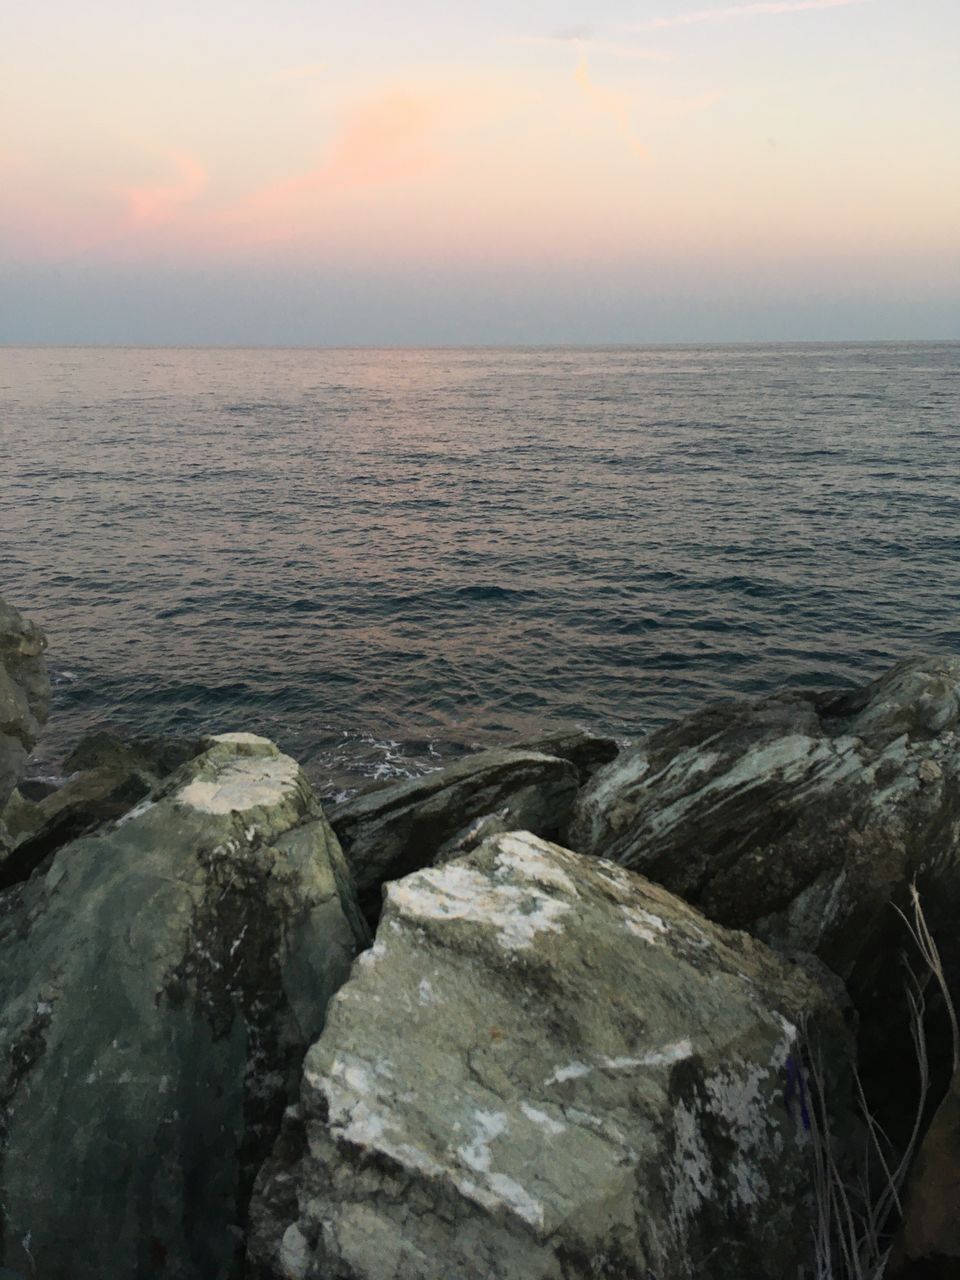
(160, 202)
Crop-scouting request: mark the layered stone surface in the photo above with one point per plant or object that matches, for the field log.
(798, 816)
(548, 1067)
(397, 829)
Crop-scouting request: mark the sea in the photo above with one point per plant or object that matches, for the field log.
(383, 559)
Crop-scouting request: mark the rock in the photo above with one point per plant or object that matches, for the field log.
(20, 816)
(157, 757)
(587, 752)
(796, 816)
(389, 832)
(159, 985)
(928, 1244)
(85, 802)
(548, 1067)
(24, 694)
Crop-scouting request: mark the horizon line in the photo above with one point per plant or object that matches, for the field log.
(473, 346)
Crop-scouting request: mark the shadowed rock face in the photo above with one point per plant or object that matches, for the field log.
(160, 982)
(587, 752)
(928, 1246)
(547, 1067)
(24, 694)
(796, 816)
(801, 817)
(389, 832)
(111, 774)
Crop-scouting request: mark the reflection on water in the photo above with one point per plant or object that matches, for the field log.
(382, 557)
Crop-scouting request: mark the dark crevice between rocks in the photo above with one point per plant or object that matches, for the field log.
(232, 969)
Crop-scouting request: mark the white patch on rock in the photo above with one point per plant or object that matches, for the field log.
(533, 859)
(372, 954)
(248, 782)
(691, 1181)
(487, 1126)
(643, 924)
(573, 1071)
(663, 1057)
(294, 1253)
(506, 1191)
(425, 992)
(541, 1119)
(242, 739)
(137, 811)
(513, 1196)
(455, 892)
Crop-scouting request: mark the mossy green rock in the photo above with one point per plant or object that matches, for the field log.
(548, 1068)
(159, 985)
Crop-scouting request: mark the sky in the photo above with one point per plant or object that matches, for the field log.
(205, 172)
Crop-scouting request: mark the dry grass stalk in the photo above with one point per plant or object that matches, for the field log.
(857, 1216)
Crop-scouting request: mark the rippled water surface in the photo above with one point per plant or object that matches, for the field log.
(380, 558)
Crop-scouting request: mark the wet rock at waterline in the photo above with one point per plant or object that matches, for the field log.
(587, 752)
(87, 801)
(24, 694)
(155, 757)
(548, 1067)
(394, 830)
(160, 982)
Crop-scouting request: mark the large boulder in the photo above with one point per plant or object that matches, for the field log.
(397, 829)
(160, 982)
(24, 694)
(796, 816)
(548, 1067)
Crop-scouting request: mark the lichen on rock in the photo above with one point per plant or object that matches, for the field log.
(568, 1096)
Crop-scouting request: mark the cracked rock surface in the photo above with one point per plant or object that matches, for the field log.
(547, 1067)
(161, 980)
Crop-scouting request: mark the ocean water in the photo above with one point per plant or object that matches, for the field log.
(384, 558)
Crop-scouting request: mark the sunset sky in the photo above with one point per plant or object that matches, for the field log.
(430, 172)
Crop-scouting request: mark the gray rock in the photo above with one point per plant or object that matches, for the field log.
(24, 694)
(548, 1067)
(587, 752)
(389, 832)
(82, 804)
(796, 816)
(157, 757)
(159, 985)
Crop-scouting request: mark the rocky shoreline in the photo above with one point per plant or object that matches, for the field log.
(557, 1011)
